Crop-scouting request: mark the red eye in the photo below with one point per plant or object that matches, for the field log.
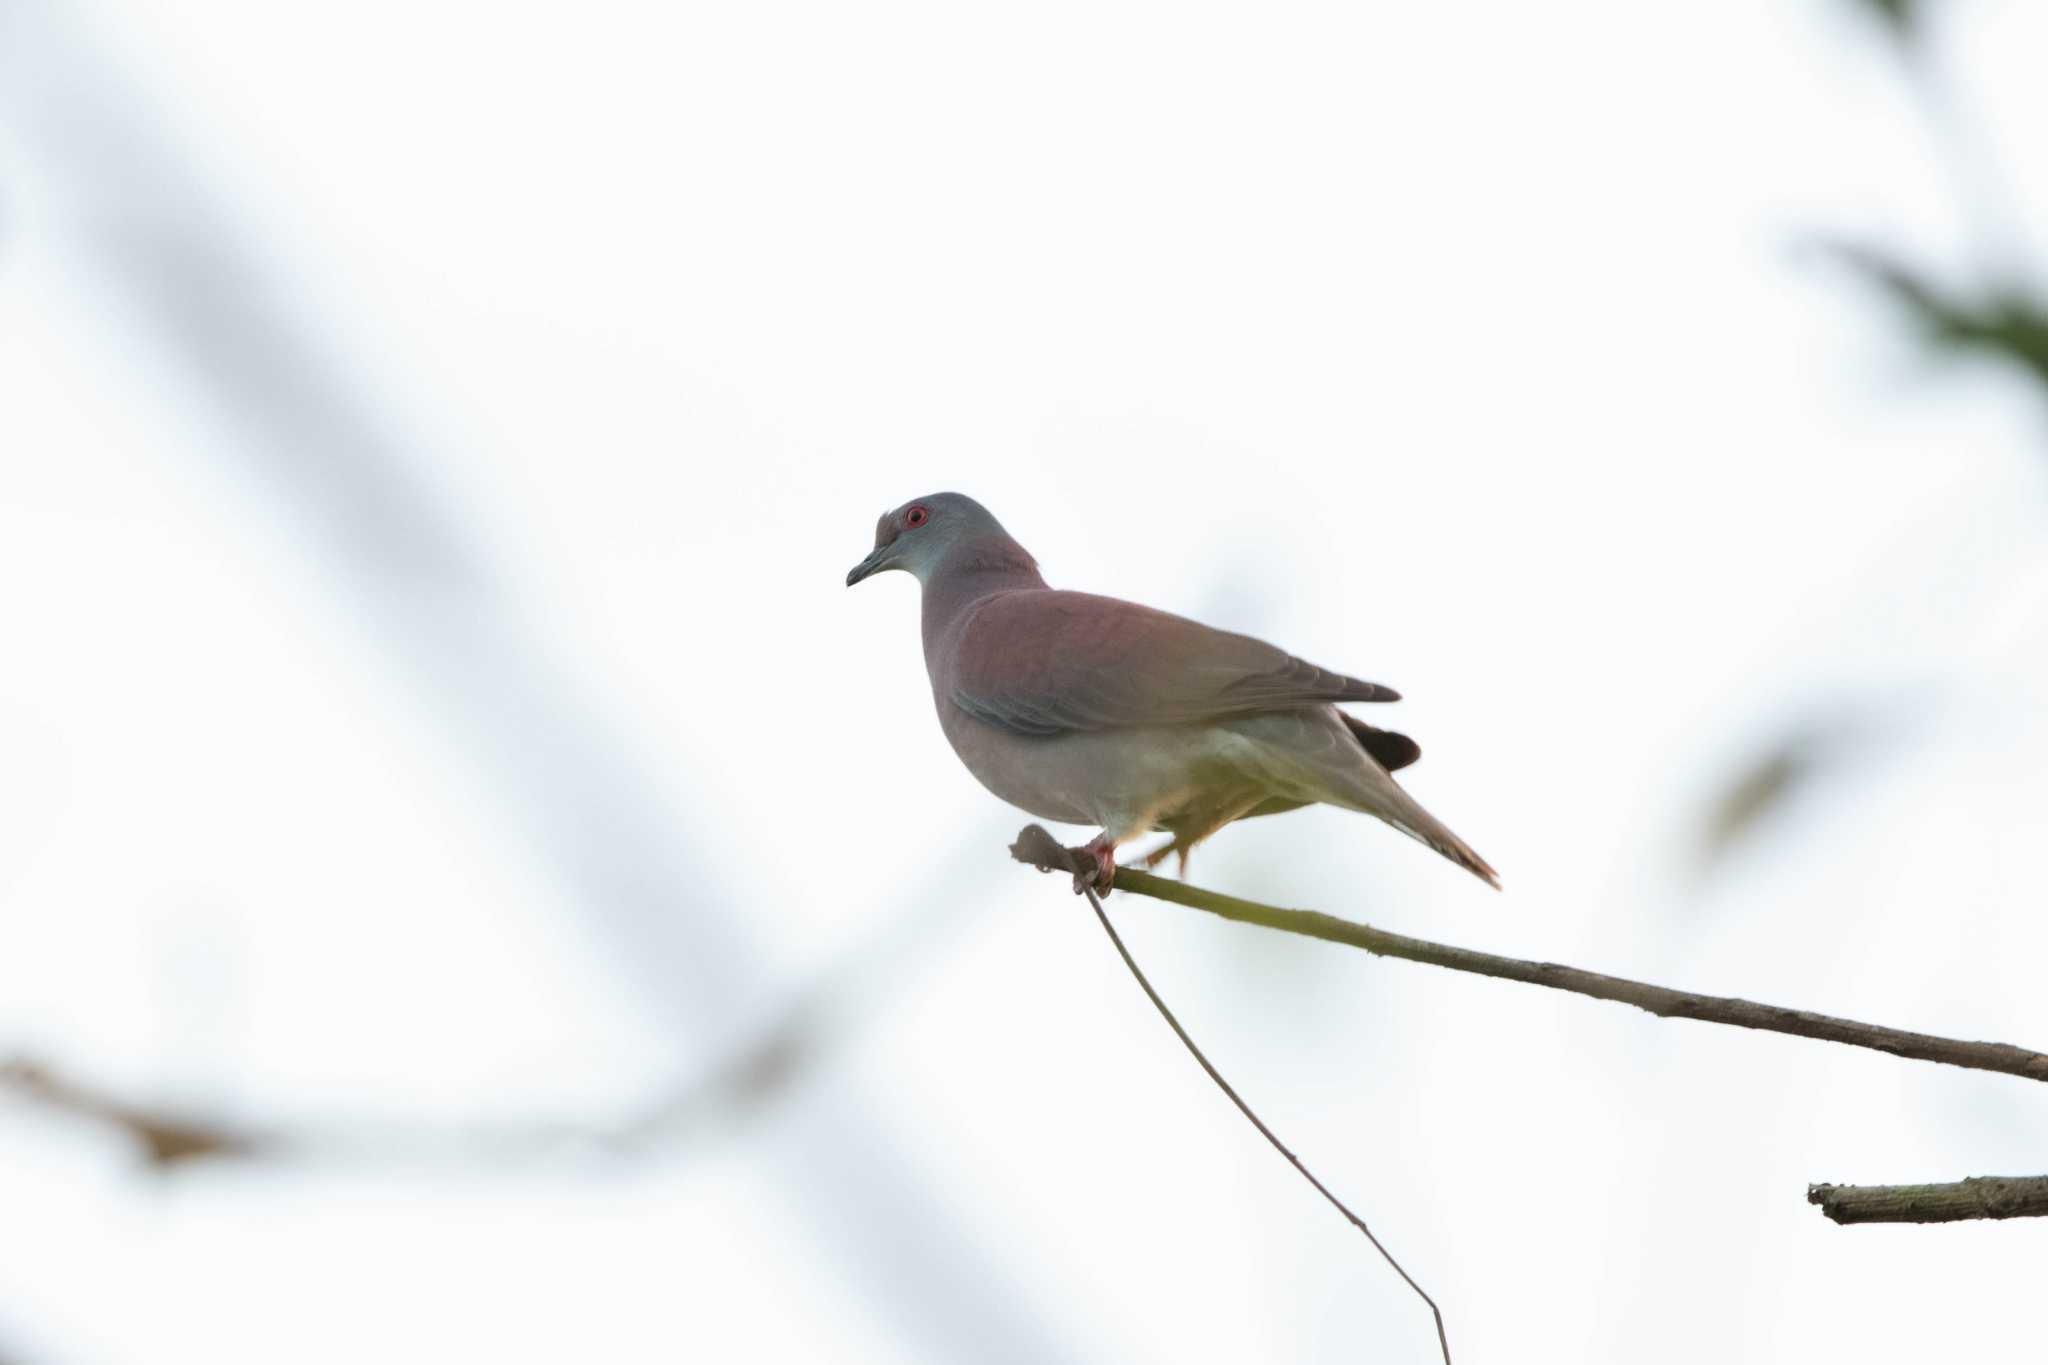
(916, 516)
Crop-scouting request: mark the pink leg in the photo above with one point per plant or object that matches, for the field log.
(1103, 851)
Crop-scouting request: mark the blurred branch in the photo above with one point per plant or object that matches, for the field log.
(2006, 321)
(750, 1077)
(1902, 17)
(1979, 1196)
(1039, 849)
(761, 1069)
(1758, 794)
(755, 1074)
(166, 1138)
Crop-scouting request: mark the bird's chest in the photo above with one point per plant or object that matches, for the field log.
(1039, 775)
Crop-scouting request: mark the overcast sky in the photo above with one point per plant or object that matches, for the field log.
(434, 438)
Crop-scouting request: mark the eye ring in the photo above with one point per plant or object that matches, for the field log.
(916, 517)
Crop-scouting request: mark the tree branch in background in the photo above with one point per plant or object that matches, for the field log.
(166, 1138)
(2007, 321)
(1980, 1196)
(1037, 848)
(753, 1076)
(750, 1077)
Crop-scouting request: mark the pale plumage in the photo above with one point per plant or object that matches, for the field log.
(1092, 710)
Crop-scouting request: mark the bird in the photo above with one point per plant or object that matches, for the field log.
(1091, 710)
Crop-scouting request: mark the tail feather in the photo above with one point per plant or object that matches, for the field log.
(1367, 787)
(1431, 831)
(1312, 757)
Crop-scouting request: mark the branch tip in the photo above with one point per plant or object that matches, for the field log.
(1977, 1196)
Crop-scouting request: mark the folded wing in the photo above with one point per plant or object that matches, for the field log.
(1044, 662)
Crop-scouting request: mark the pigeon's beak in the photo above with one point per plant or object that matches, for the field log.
(867, 566)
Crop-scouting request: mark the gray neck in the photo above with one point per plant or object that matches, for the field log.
(966, 576)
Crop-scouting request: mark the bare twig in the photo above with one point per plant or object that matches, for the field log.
(1040, 844)
(1980, 1196)
(166, 1138)
(749, 1078)
(1657, 1000)
(169, 1137)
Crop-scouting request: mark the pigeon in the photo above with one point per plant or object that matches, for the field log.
(1090, 710)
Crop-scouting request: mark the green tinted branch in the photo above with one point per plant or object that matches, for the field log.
(1039, 849)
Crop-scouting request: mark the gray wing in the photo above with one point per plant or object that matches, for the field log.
(1044, 662)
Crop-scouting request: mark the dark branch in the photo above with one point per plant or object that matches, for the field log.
(1039, 849)
(1980, 1196)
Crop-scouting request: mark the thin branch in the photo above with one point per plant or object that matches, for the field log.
(754, 1074)
(1044, 845)
(1980, 1196)
(169, 1137)
(166, 1138)
(1037, 849)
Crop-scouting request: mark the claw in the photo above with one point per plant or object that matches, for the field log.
(1103, 854)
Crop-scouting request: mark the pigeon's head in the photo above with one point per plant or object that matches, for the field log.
(926, 532)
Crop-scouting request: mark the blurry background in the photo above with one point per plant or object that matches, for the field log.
(436, 748)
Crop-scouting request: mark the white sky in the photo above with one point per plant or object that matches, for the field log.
(433, 439)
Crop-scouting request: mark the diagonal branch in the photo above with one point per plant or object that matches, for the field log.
(166, 1138)
(1980, 1196)
(1038, 849)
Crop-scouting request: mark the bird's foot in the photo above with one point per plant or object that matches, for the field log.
(1102, 853)
(1165, 851)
